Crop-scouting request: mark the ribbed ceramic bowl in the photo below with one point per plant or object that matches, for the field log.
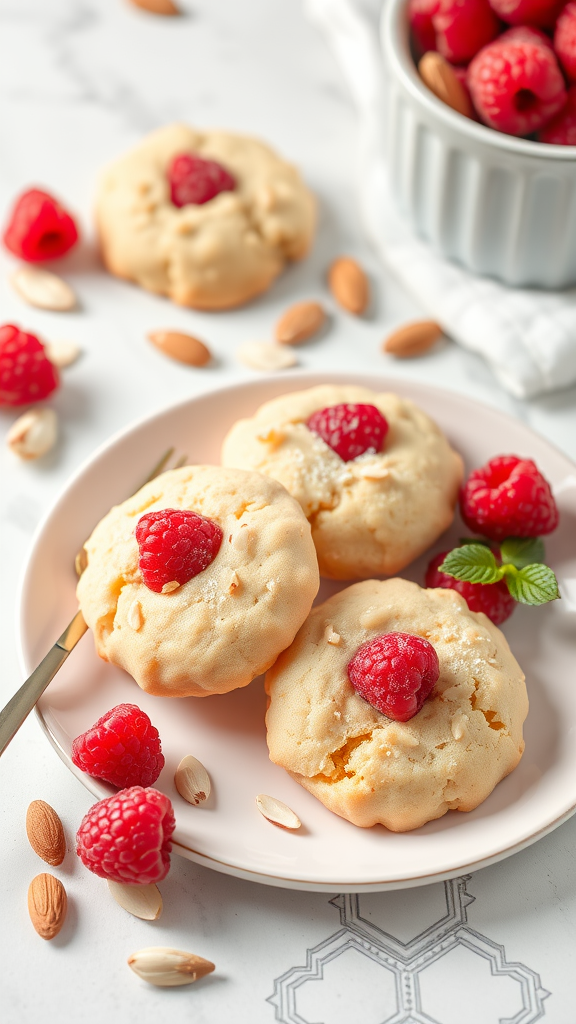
(499, 205)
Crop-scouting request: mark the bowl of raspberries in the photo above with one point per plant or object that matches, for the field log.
(481, 132)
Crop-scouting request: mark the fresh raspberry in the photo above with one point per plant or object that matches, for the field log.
(561, 130)
(527, 12)
(395, 673)
(196, 180)
(127, 837)
(508, 497)
(516, 84)
(350, 430)
(26, 373)
(565, 40)
(463, 27)
(39, 228)
(420, 17)
(123, 748)
(494, 599)
(175, 545)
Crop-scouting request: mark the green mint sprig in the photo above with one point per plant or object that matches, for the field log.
(528, 579)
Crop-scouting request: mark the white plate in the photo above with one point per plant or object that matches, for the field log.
(227, 732)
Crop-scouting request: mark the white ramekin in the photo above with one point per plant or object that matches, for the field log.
(499, 205)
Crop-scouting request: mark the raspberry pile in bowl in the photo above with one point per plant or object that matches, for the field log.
(511, 64)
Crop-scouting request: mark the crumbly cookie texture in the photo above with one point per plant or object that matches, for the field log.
(227, 624)
(212, 256)
(362, 765)
(370, 516)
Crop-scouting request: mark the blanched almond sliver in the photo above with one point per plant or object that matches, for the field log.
(277, 812)
(43, 289)
(266, 356)
(192, 780)
(142, 901)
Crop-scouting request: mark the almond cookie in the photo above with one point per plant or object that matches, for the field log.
(357, 761)
(224, 242)
(255, 578)
(376, 512)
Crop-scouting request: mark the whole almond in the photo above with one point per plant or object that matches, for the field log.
(45, 832)
(442, 80)
(47, 904)
(157, 6)
(167, 967)
(33, 434)
(191, 779)
(143, 901)
(349, 285)
(184, 348)
(412, 339)
(41, 288)
(299, 323)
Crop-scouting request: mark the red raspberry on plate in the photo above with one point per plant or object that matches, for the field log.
(123, 748)
(395, 673)
(39, 228)
(126, 838)
(565, 40)
(516, 84)
(463, 27)
(349, 429)
(527, 12)
(494, 599)
(26, 373)
(196, 180)
(508, 497)
(561, 130)
(175, 545)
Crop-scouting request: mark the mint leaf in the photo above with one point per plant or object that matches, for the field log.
(474, 563)
(522, 551)
(534, 584)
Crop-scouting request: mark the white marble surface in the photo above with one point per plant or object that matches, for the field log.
(81, 80)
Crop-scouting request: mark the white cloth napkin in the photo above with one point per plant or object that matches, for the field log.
(527, 336)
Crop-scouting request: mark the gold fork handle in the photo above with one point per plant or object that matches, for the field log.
(18, 709)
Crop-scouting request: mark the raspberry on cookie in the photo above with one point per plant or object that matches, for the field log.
(395, 704)
(208, 218)
(196, 583)
(376, 478)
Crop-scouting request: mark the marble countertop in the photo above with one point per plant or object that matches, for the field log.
(81, 81)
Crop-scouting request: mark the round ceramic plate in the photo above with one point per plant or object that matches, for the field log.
(227, 732)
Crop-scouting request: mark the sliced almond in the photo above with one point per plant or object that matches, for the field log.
(170, 587)
(192, 780)
(43, 289)
(157, 6)
(413, 339)
(33, 434)
(45, 832)
(184, 348)
(442, 80)
(299, 323)
(234, 584)
(349, 285)
(62, 353)
(142, 901)
(47, 904)
(277, 812)
(167, 967)
(266, 356)
(331, 636)
(135, 618)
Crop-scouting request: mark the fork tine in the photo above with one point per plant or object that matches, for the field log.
(182, 461)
